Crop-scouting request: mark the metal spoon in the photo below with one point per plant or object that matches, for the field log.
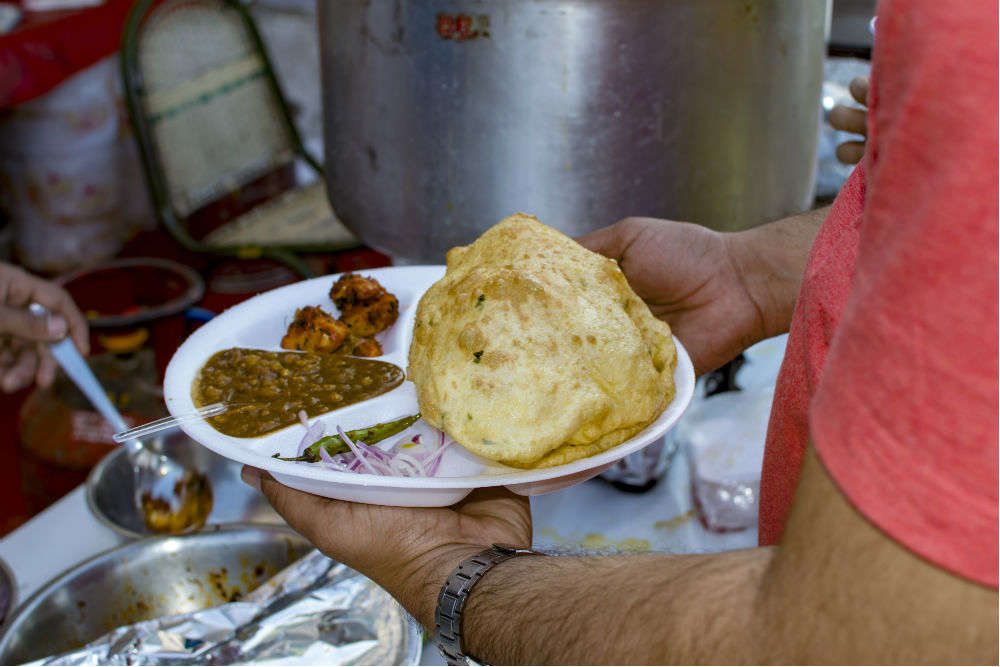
(170, 497)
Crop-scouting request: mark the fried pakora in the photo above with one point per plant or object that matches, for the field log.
(365, 306)
(352, 289)
(368, 318)
(368, 347)
(314, 330)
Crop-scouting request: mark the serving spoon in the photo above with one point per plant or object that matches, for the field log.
(169, 496)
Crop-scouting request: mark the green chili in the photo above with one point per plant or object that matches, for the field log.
(334, 444)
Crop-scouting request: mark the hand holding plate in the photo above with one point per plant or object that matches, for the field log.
(408, 551)
(686, 275)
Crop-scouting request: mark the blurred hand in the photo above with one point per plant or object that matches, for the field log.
(24, 357)
(687, 276)
(851, 119)
(408, 551)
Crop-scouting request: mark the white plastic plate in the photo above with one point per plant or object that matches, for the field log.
(261, 322)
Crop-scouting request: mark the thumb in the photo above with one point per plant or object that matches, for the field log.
(615, 240)
(607, 241)
(21, 323)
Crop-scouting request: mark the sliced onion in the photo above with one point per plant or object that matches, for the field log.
(422, 461)
(357, 451)
(325, 457)
(374, 452)
(417, 467)
(333, 464)
(435, 460)
(314, 432)
(434, 457)
(376, 457)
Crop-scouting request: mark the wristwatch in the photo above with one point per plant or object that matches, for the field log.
(455, 592)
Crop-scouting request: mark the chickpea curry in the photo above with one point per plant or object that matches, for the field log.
(268, 389)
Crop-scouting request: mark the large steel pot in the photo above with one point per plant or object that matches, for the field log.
(444, 116)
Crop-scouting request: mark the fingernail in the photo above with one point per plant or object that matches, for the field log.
(56, 326)
(250, 477)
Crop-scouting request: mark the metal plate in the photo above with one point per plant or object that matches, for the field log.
(159, 576)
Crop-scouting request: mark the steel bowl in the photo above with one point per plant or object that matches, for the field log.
(111, 487)
(166, 575)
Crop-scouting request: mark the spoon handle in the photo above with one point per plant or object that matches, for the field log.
(79, 372)
(170, 422)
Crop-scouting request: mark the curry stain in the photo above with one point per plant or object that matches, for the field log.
(675, 522)
(218, 579)
(204, 591)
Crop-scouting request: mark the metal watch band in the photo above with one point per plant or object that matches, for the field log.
(455, 592)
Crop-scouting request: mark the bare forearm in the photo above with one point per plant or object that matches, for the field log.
(617, 610)
(771, 260)
(837, 591)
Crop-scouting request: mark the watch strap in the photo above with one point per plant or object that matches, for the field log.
(455, 593)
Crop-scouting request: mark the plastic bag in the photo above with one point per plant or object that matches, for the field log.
(724, 436)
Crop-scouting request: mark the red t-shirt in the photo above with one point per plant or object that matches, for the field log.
(891, 364)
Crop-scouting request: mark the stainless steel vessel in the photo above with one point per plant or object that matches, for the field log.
(156, 576)
(111, 487)
(444, 116)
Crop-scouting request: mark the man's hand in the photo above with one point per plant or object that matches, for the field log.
(23, 356)
(687, 275)
(408, 551)
(853, 120)
(720, 293)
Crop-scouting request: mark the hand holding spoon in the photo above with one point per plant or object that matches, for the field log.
(172, 498)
